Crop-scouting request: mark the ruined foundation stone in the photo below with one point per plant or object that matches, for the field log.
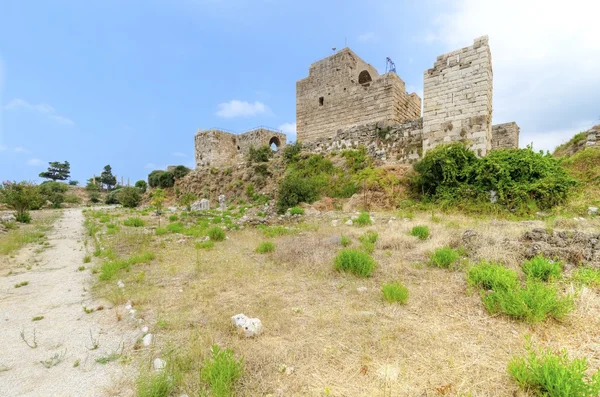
(457, 102)
(505, 136)
(593, 136)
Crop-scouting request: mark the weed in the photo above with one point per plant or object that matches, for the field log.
(265, 247)
(205, 244)
(363, 219)
(81, 268)
(490, 276)
(37, 318)
(133, 222)
(21, 284)
(55, 359)
(109, 269)
(587, 276)
(345, 241)
(548, 374)
(173, 218)
(221, 371)
(395, 292)
(76, 364)
(33, 344)
(88, 310)
(216, 234)
(160, 231)
(107, 359)
(354, 261)
(176, 227)
(95, 342)
(540, 268)
(421, 232)
(368, 241)
(157, 384)
(87, 258)
(296, 211)
(274, 231)
(443, 257)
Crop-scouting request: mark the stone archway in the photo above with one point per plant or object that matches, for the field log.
(364, 77)
(274, 143)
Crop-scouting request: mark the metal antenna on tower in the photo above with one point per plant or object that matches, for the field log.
(390, 66)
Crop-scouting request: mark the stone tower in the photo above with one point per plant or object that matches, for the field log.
(458, 98)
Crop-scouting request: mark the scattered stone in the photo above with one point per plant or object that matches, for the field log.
(362, 290)
(250, 326)
(147, 340)
(172, 209)
(469, 235)
(222, 202)
(7, 218)
(493, 196)
(145, 329)
(120, 284)
(593, 210)
(200, 205)
(159, 364)
(349, 222)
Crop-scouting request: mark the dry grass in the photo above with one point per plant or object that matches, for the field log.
(339, 341)
(24, 234)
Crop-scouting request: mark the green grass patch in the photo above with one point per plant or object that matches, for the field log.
(444, 257)
(109, 270)
(354, 261)
(296, 211)
(587, 276)
(21, 284)
(15, 239)
(421, 232)
(363, 219)
(133, 222)
(491, 276)
(275, 230)
(265, 247)
(216, 234)
(395, 292)
(540, 268)
(205, 244)
(221, 371)
(345, 241)
(176, 227)
(173, 218)
(155, 384)
(37, 318)
(87, 258)
(161, 231)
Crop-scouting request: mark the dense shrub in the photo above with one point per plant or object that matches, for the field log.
(142, 185)
(354, 261)
(259, 155)
(443, 257)
(549, 374)
(395, 292)
(162, 179)
(542, 269)
(363, 219)
(180, 171)
(294, 190)
(129, 197)
(54, 192)
(491, 276)
(216, 234)
(421, 232)
(357, 160)
(153, 178)
(291, 152)
(522, 179)
(21, 197)
(111, 197)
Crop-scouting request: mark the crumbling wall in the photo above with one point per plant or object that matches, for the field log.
(386, 142)
(458, 98)
(505, 136)
(260, 137)
(342, 91)
(593, 136)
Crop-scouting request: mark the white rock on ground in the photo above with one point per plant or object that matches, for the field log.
(349, 222)
(147, 340)
(120, 284)
(250, 326)
(159, 364)
(145, 330)
(593, 210)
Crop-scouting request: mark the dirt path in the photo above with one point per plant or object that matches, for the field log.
(58, 291)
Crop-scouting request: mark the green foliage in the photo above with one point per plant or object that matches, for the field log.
(587, 276)
(21, 197)
(160, 231)
(176, 227)
(260, 155)
(129, 197)
(363, 219)
(562, 149)
(109, 269)
(141, 185)
(548, 374)
(345, 241)
(421, 232)
(134, 222)
(180, 171)
(369, 237)
(291, 152)
(161, 179)
(53, 192)
(533, 303)
(158, 199)
(294, 190)
(155, 384)
(73, 183)
(216, 234)
(57, 171)
(111, 197)
(265, 247)
(205, 244)
(443, 257)
(187, 199)
(540, 268)
(107, 178)
(221, 371)
(274, 231)
(357, 160)
(395, 292)
(354, 261)
(296, 211)
(491, 276)
(173, 218)
(524, 180)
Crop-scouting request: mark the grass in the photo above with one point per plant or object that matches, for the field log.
(395, 292)
(81, 268)
(155, 384)
(490, 276)
(173, 218)
(533, 303)
(421, 232)
(354, 261)
(110, 269)
(21, 284)
(368, 241)
(443, 257)
(540, 268)
(17, 238)
(216, 234)
(274, 231)
(159, 231)
(265, 247)
(363, 219)
(296, 211)
(37, 318)
(134, 222)
(221, 371)
(205, 244)
(345, 241)
(587, 276)
(548, 374)
(87, 258)
(176, 227)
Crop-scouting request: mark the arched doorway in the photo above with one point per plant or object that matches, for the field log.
(364, 77)
(274, 143)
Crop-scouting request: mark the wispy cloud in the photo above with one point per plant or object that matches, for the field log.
(20, 149)
(236, 108)
(3, 148)
(42, 108)
(34, 162)
(178, 154)
(290, 130)
(366, 37)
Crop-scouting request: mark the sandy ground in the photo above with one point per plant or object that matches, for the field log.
(58, 291)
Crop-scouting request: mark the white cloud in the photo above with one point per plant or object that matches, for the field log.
(20, 149)
(290, 130)
(42, 108)
(235, 108)
(178, 154)
(34, 162)
(366, 37)
(545, 55)
(549, 140)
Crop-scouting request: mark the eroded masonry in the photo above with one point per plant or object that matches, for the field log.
(345, 103)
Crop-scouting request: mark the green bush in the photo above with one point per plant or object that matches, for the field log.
(112, 197)
(490, 276)
(173, 218)
(540, 268)
(180, 171)
(260, 155)
(296, 211)
(294, 190)
(54, 192)
(161, 179)
(421, 232)
(221, 371)
(134, 222)
(395, 292)
(155, 384)
(216, 234)
(129, 197)
(265, 247)
(369, 237)
(588, 276)
(363, 219)
(291, 152)
(23, 217)
(21, 197)
(141, 185)
(354, 261)
(357, 160)
(549, 374)
(160, 231)
(345, 241)
(533, 303)
(443, 257)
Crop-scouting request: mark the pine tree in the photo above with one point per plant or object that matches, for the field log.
(57, 171)
(107, 178)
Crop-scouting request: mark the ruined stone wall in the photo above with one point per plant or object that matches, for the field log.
(593, 137)
(505, 136)
(393, 142)
(458, 98)
(343, 91)
(216, 148)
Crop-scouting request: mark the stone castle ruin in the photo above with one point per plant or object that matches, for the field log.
(345, 103)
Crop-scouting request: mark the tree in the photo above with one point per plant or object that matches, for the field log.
(53, 192)
(20, 197)
(180, 171)
(158, 199)
(129, 197)
(57, 171)
(142, 185)
(187, 199)
(107, 178)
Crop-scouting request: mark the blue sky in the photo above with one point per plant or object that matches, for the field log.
(128, 83)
